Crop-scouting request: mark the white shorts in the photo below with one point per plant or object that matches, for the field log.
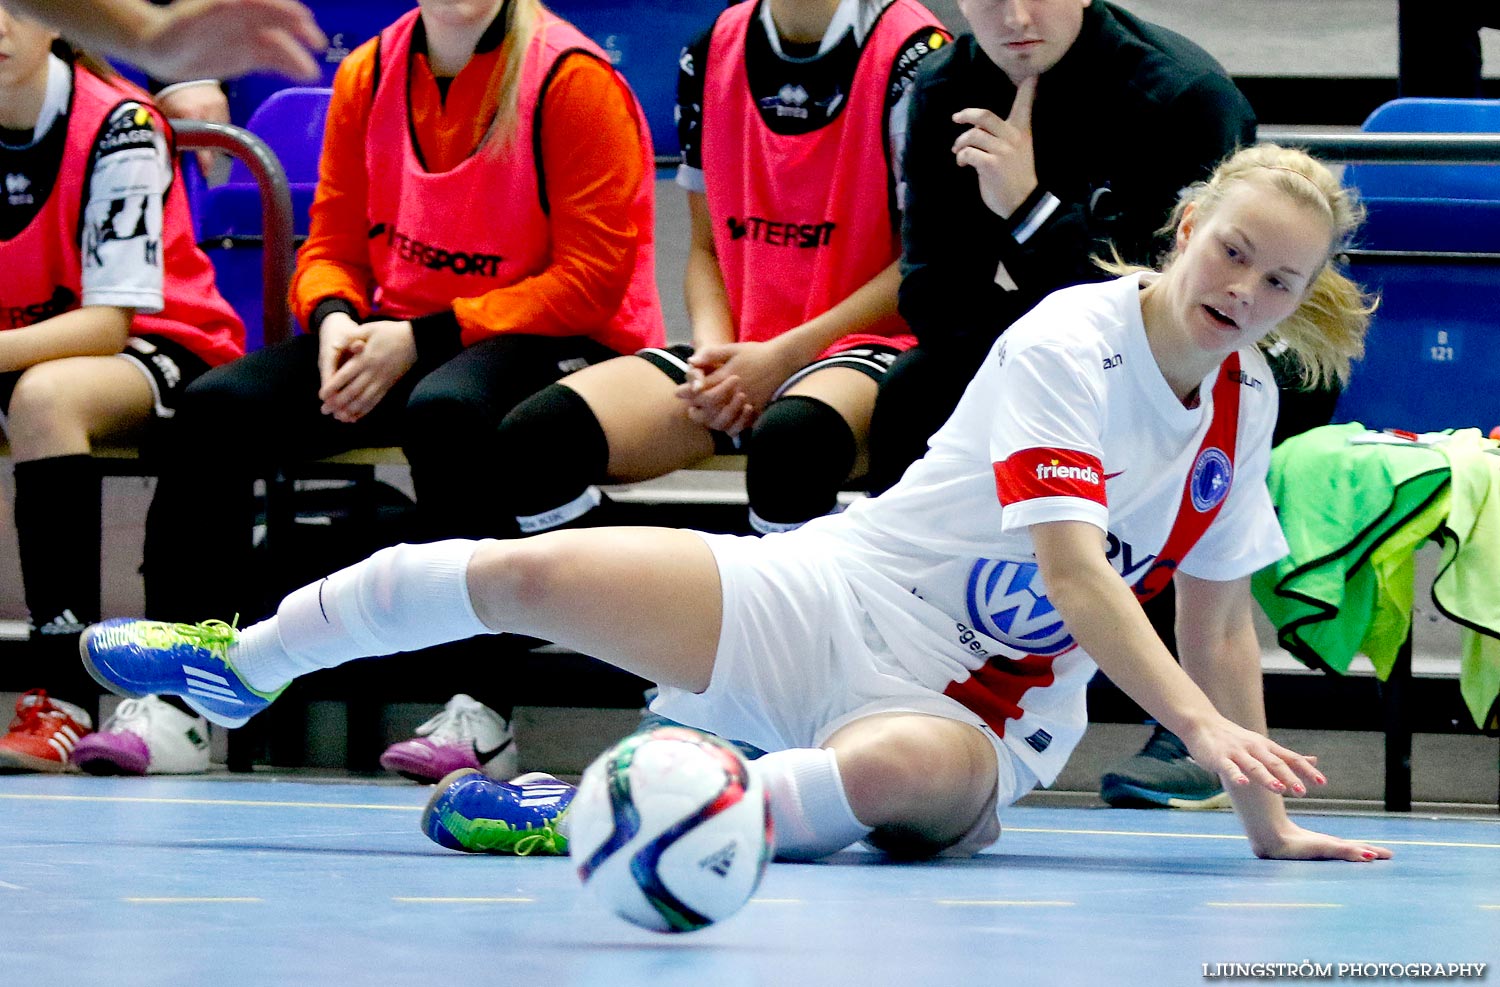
(798, 660)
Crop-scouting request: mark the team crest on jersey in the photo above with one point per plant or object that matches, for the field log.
(1008, 602)
(1212, 474)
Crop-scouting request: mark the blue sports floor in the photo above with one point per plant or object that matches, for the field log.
(233, 882)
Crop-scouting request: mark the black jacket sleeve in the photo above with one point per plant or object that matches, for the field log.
(1179, 143)
(950, 241)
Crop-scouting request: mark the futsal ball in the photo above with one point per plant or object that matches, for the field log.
(670, 829)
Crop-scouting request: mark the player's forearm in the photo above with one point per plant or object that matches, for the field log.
(707, 300)
(1104, 617)
(1226, 665)
(869, 308)
(93, 330)
(116, 26)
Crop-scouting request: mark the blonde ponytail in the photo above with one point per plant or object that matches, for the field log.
(1327, 331)
(521, 17)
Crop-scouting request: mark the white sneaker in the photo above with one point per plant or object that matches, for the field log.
(146, 736)
(466, 734)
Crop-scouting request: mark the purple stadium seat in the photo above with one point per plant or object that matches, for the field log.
(291, 122)
(228, 217)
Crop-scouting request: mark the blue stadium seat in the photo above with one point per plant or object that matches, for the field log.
(1432, 207)
(1429, 363)
(1430, 116)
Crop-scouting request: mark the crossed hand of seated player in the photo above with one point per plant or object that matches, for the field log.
(730, 384)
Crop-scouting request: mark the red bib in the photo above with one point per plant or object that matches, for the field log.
(480, 226)
(44, 265)
(801, 221)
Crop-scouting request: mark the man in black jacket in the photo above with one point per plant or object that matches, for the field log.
(1005, 203)
(1057, 131)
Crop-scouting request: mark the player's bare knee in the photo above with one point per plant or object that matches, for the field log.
(903, 768)
(884, 772)
(40, 406)
(519, 576)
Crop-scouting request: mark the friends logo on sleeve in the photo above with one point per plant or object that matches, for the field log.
(1028, 474)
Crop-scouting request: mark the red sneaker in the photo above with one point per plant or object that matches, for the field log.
(43, 734)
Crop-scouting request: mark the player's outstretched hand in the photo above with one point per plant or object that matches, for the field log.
(221, 39)
(1242, 758)
(1251, 765)
(1297, 843)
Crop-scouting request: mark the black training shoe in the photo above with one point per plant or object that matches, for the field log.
(1162, 776)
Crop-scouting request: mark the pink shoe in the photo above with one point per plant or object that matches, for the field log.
(145, 736)
(466, 734)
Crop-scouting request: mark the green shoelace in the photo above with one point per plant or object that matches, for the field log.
(214, 636)
(498, 836)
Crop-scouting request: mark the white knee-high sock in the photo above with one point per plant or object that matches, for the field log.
(809, 809)
(399, 599)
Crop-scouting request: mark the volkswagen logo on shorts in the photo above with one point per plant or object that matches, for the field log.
(1006, 602)
(1211, 475)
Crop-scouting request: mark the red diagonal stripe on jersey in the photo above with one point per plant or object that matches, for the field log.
(1191, 524)
(994, 690)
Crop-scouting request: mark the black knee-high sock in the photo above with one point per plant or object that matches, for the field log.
(58, 532)
(800, 452)
(559, 450)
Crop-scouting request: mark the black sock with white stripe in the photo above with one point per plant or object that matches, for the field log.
(800, 452)
(58, 533)
(560, 454)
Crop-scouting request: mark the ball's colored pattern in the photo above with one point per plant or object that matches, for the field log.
(670, 829)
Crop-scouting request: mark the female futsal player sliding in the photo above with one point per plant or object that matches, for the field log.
(919, 662)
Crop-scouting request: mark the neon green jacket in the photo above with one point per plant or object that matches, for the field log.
(1354, 516)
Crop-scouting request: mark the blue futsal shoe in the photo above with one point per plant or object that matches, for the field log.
(135, 658)
(522, 817)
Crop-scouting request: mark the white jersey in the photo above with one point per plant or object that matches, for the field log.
(1069, 419)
